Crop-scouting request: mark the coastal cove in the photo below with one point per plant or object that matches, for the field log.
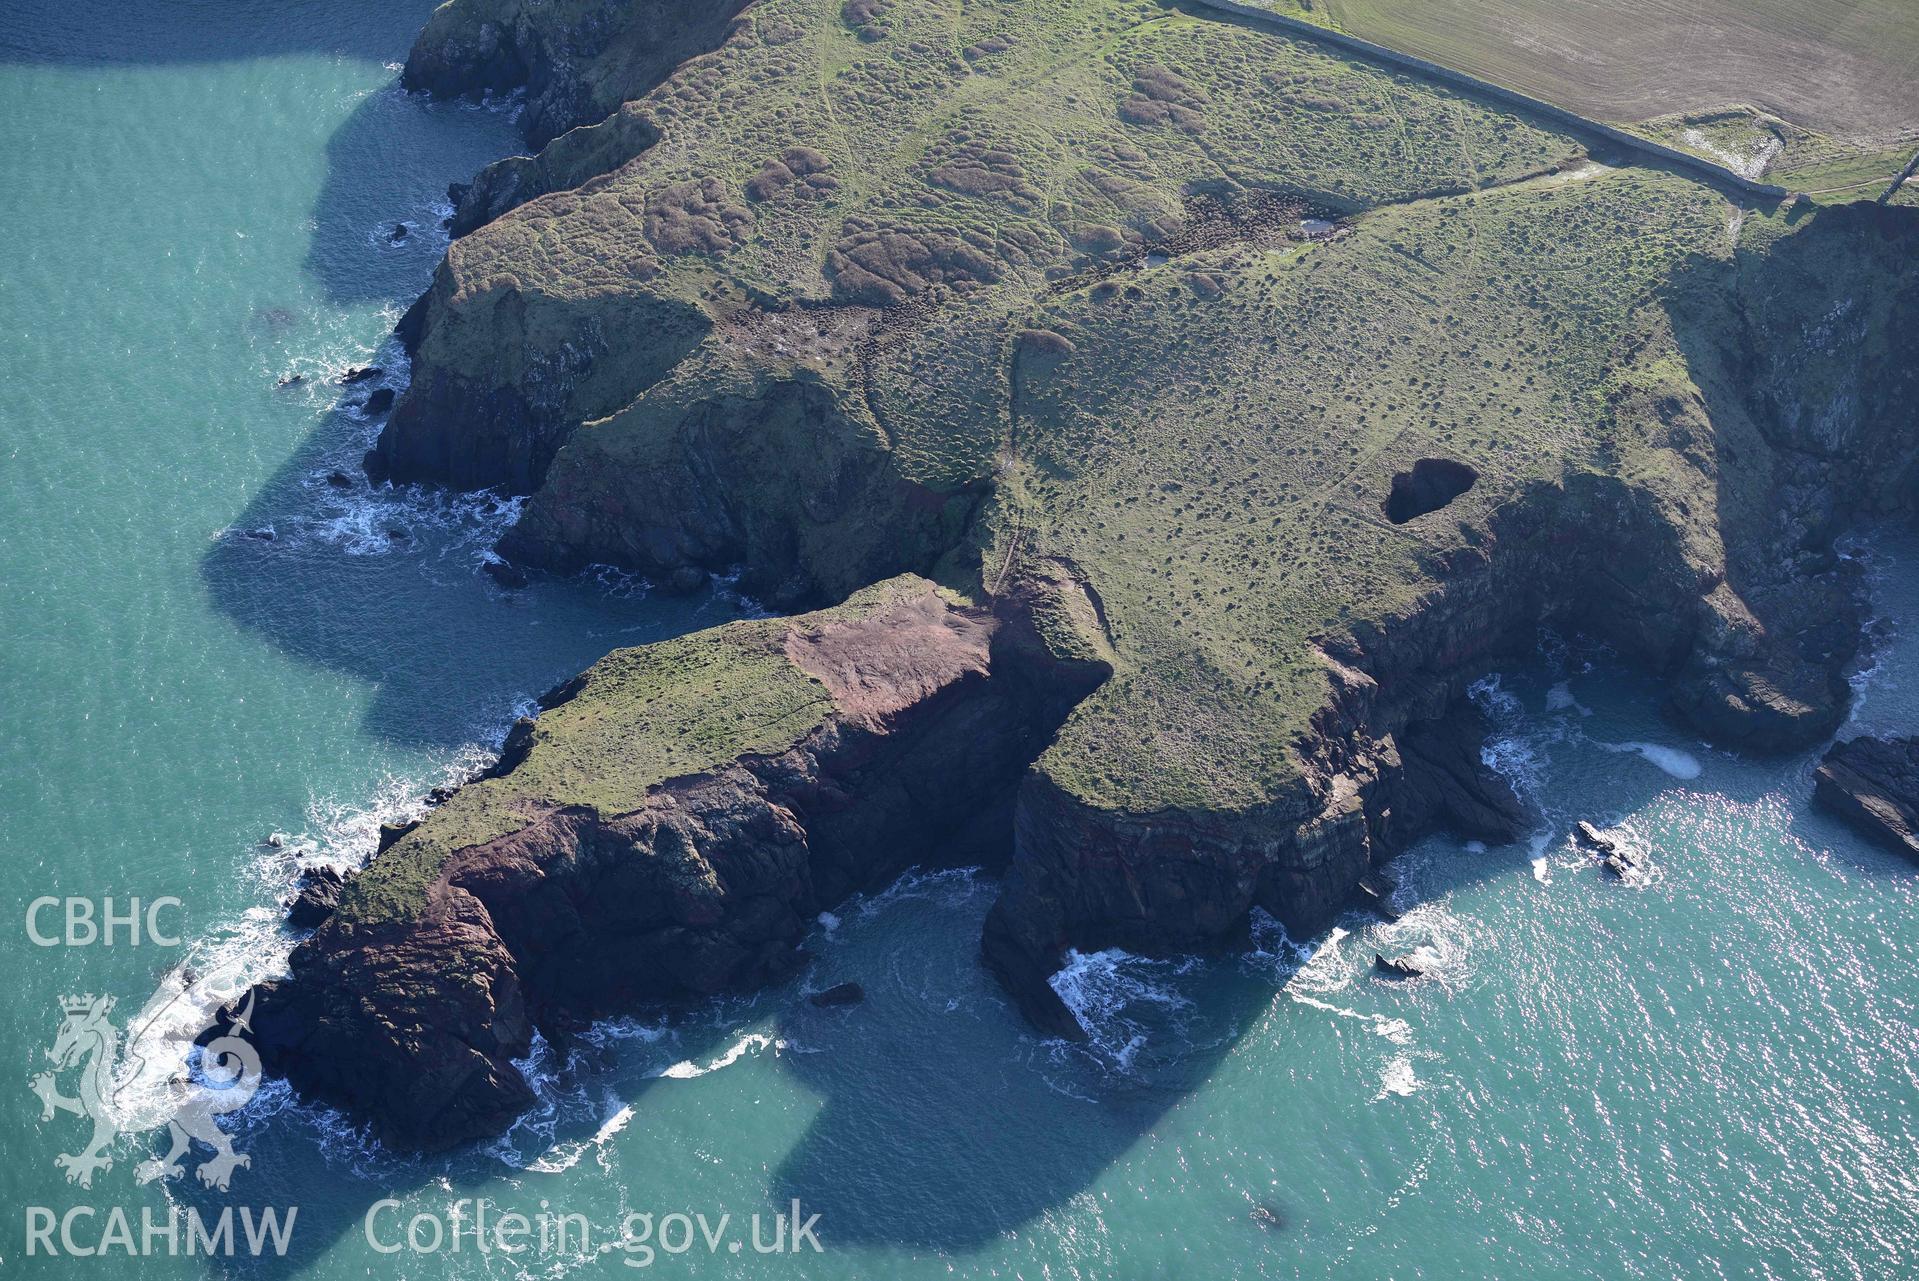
(230, 656)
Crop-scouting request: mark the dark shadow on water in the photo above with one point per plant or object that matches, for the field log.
(945, 1130)
(381, 584)
(305, 1157)
(943, 1123)
(104, 32)
(386, 585)
(388, 166)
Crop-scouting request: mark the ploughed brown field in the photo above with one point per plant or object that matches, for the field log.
(1849, 68)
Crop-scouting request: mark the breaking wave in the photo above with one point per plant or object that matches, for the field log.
(1679, 764)
(751, 1043)
(1119, 1000)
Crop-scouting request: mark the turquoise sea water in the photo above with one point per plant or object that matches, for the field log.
(1710, 1074)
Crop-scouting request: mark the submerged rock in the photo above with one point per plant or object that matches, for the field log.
(506, 574)
(360, 374)
(1873, 784)
(379, 402)
(840, 994)
(685, 580)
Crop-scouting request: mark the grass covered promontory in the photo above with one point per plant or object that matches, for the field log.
(861, 157)
(1245, 400)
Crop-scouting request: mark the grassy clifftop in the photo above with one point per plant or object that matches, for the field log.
(1216, 448)
(956, 157)
(871, 262)
(866, 151)
(634, 720)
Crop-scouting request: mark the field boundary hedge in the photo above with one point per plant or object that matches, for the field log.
(1699, 166)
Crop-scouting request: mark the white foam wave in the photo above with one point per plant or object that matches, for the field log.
(751, 1043)
(1398, 1031)
(1325, 973)
(1866, 674)
(1323, 968)
(1508, 751)
(726, 588)
(1110, 992)
(1433, 938)
(345, 833)
(230, 958)
(564, 1156)
(1399, 1079)
(1560, 699)
(1679, 764)
(610, 1032)
(367, 520)
(952, 886)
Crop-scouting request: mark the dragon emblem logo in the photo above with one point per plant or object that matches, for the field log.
(163, 1079)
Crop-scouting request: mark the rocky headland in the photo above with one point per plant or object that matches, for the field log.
(1190, 530)
(1873, 783)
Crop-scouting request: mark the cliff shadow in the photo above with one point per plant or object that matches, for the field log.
(1799, 422)
(385, 584)
(381, 583)
(190, 31)
(944, 1121)
(377, 225)
(310, 1157)
(941, 1121)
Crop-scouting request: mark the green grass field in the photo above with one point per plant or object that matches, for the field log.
(1839, 77)
(1848, 68)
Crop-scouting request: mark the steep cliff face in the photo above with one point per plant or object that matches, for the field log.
(575, 157)
(1873, 784)
(577, 882)
(782, 474)
(1803, 352)
(1393, 753)
(577, 60)
(519, 370)
(682, 207)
